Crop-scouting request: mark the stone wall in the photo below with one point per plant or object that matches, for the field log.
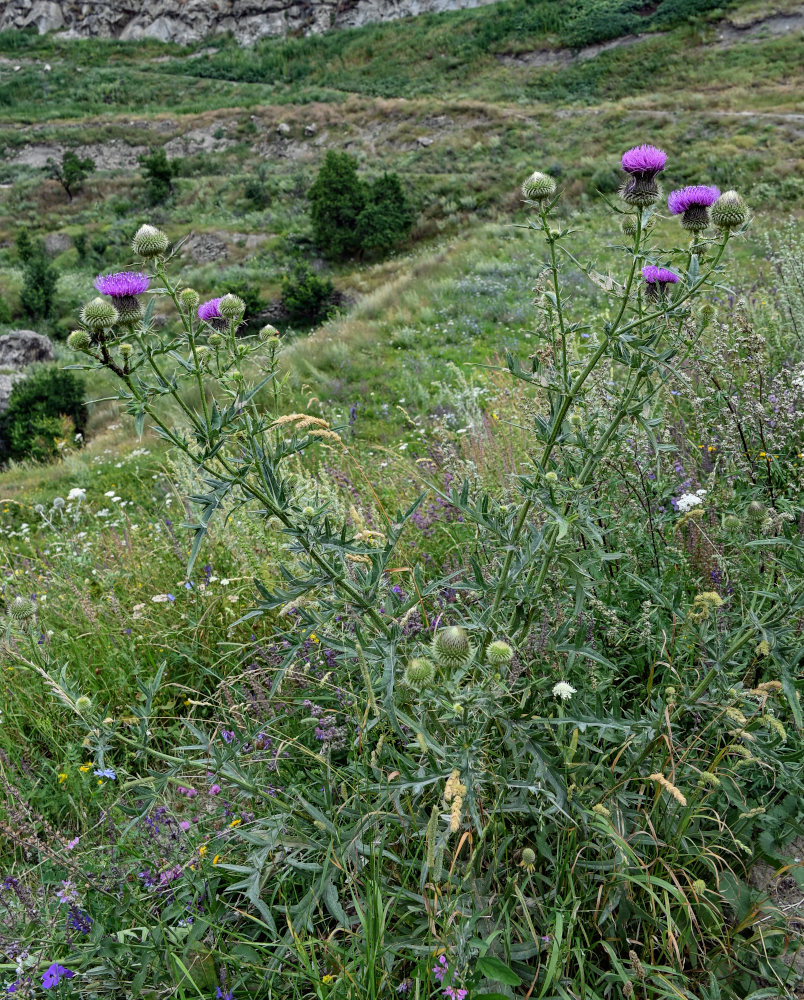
(187, 21)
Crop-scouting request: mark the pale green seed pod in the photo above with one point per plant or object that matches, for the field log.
(539, 187)
(232, 307)
(149, 242)
(499, 653)
(21, 609)
(99, 315)
(419, 673)
(79, 340)
(451, 646)
(729, 211)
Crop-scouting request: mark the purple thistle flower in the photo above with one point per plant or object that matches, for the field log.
(692, 203)
(645, 160)
(660, 275)
(642, 163)
(122, 284)
(54, 974)
(209, 310)
(701, 195)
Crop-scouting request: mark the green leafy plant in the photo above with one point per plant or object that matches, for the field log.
(45, 407)
(158, 173)
(71, 172)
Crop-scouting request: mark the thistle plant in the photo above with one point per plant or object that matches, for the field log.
(558, 737)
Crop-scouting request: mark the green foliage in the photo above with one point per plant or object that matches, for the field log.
(352, 217)
(337, 198)
(38, 292)
(35, 418)
(158, 173)
(71, 172)
(307, 298)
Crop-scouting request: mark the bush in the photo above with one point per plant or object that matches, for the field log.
(386, 218)
(306, 297)
(39, 279)
(158, 173)
(71, 172)
(46, 406)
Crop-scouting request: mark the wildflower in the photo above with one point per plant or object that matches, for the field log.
(222, 994)
(642, 164)
(703, 604)
(54, 974)
(85, 767)
(67, 893)
(404, 986)
(528, 861)
(149, 242)
(455, 994)
(687, 501)
(329, 978)
(563, 690)
(441, 968)
(76, 493)
(657, 279)
(692, 204)
(62, 777)
(235, 822)
(123, 289)
(227, 735)
(216, 859)
(538, 187)
(209, 312)
(601, 810)
(214, 789)
(71, 844)
(105, 772)
(729, 211)
(163, 598)
(202, 850)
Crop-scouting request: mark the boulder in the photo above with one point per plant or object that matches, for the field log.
(6, 385)
(22, 347)
(56, 243)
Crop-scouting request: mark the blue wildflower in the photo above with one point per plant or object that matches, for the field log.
(105, 772)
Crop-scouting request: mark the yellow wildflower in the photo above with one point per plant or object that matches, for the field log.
(202, 850)
(62, 777)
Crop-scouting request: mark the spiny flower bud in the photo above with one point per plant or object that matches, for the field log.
(268, 333)
(99, 314)
(231, 307)
(756, 509)
(551, 477)
(629, 225)
(215, 340)
(83, 704)
(699, 886)
(189, 299)
(419, 673)
(575, 420)
(79, 340)
(21, 609)
(732, 523)
(729, 211)
(499, 653)
(451, 646)
(125, 350)
(149, 242)
(538, 187)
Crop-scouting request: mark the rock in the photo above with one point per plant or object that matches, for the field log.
(425, 140)
(283, 128)
(6, 385)
(22, 347)
(56, 243)
(187, 21)
(310, 129)
(203, 247)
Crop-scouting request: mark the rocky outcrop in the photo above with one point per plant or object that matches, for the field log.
(22, 347)
(189, 21)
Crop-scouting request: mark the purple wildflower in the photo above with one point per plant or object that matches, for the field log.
(223, 994)
(647, 160)
(54, 974)
(214, 789)
(227, 735)
(122, 284)
(67, 893)
(662, 275)
(455, 994)
(692, 203)
(440, 969)
(72, 843)
(209, 310)
(642, 164)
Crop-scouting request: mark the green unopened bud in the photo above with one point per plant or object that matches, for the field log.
(756, 509)
(149, 242)
(231, 307)
(729, 211)
(268, 333)
(538, 187)
(215, 340)
(83, 704)
(575, 420)
(99, 315)
(451, 646)
(707, 312)
(79, 340)
(528, 857)
(189, 299)
(21, 609)
(309, 512)
(699, 886)
(732, 523)
(551, 477)
(499, 653)
(419, 672)
(125, 351)
(629, 225)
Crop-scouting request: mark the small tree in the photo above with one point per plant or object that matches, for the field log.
(71, 172)
(306, 297)
(386, 218)
(158, 172)
(337, 198)
(39, 278)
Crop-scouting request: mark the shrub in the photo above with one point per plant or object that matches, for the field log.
(71, 172)
(39, 279)
(386, 218)
(37, 410)
(158, 173)
(306, 297)
(337, 198)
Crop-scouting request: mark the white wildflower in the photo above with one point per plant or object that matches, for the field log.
(563, 690)
(76, 493)
(687, 501)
